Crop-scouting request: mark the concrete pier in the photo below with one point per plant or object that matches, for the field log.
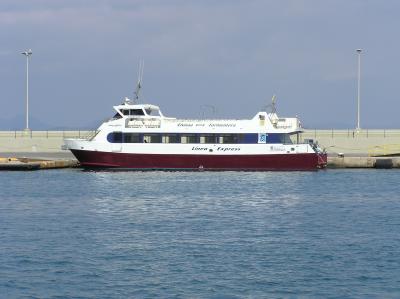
(355, 143)
(37, 141)
(349, 142)
(346, 148)
(364, 162)
(35, 164)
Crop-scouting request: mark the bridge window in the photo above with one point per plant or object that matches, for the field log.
(132, 112)
(117, 116)
(136, 112)
(153, 112)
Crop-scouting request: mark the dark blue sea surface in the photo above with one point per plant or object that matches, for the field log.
(80, 234)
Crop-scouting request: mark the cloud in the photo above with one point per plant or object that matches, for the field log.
(218, 52)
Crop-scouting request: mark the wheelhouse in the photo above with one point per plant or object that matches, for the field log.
(128, 110)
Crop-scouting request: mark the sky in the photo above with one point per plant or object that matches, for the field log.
(230, 55)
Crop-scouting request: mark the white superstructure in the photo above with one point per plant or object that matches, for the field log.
(142, 128)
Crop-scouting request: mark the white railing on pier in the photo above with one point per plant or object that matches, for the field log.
(307, 133)
(350, 133)
(83, 134)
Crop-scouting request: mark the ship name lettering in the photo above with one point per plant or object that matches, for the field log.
(196, 148)
(230, 149)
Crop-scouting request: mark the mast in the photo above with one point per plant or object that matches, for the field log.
(273, 104)
(139, 82)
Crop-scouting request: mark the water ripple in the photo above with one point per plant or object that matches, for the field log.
(78, 234)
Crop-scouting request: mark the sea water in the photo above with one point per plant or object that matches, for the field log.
(82, 234)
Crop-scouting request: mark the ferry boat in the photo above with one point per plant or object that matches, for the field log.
(140, 137)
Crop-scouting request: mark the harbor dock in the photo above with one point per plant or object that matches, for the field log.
(35, 164)
(333, 162)
(364, 162)
(345, 148)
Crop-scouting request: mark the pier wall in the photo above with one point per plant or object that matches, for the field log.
(37, 141)
(363, 143)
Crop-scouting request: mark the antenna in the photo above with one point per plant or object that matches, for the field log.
(272, 105)
(273, 100)
(272, 116)
(140, 79)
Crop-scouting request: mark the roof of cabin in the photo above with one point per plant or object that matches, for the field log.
(137, 106)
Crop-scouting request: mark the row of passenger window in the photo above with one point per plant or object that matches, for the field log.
(119, 137)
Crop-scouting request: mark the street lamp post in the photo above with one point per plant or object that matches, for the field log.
(27, 53)
(358, 89)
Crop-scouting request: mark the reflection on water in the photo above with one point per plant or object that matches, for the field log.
(199, 234)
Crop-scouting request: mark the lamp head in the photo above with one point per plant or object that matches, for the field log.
(27, 52)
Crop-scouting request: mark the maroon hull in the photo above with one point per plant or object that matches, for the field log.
(96, 159)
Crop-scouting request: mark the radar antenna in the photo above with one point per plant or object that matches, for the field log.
(139, 82)
(272, 116)
(273, 104)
